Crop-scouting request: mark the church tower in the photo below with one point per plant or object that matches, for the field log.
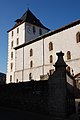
(26, 29)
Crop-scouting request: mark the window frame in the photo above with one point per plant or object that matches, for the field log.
(78, 37)
(10, 78)
(30, 76)
(68, 55)
(31, 64)
(11, 66)
(51, 59)
(11, 55)
(17, 41)
(12, 34)
(11, 44)
(50, 46)
(31, 52)
(18, 30)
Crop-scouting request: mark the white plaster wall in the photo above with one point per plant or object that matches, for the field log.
(37, 57)
(21, 36)
(19, 59)
(47, 68)
(18, 75)
(9, 72)
(64, 41)
(36, 72)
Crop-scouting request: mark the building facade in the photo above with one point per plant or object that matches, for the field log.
(34, 51)
(25, 30)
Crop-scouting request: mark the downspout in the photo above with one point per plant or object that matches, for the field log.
(23, 51)
(23, 67)
(43, 58)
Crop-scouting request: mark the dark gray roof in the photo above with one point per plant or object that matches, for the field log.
(30, 18)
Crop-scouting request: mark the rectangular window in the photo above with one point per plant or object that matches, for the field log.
(11, 55)
(17, 30)
(10, 78)
(12, 33)
(11, 66)
(11, 44)
(17, 41)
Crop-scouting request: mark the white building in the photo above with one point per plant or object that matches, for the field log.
(32, 49)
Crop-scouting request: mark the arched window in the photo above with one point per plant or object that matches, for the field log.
(78, 37)
(31, 64)
(30, 76)
(50, 46)
(51, 59)
(31, 52)
(68, 55)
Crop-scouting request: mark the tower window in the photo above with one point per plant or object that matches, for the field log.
(12, 33)
(17, 30)
(31, 64)
(68, 55)
(11, 66)
(31, 52)
(11, 55)
(17, 41)
(10, 78)
(78, 37)
(40, 31)
(34, 30)
(51, 59)
(50, 46)
(11, 44)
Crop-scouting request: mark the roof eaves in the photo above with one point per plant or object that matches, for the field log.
(50, 33)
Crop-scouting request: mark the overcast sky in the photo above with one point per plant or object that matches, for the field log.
(52, 13)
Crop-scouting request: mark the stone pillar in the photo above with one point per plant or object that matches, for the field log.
(57, 103)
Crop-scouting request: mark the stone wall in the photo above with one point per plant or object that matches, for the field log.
(54, 97)
(30, 96)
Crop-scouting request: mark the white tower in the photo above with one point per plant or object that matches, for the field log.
(26, 29)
